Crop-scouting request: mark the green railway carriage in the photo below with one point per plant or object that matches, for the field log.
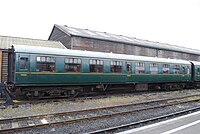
(195, 71)
(64, 72)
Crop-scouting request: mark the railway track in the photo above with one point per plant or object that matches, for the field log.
(143, 122)
(28, 122)
(44, 100)
(82, 98)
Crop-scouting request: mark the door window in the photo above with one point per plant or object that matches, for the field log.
(24, 63)
(128, 67)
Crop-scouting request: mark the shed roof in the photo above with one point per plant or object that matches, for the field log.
(7, 41)
(123, 39)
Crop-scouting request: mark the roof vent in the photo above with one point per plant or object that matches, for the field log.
(65, 25)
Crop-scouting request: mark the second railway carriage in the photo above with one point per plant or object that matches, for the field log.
(195, 71)
(49, 71)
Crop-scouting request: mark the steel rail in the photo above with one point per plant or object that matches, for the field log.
(113, 129)
(94, 109)
(89, 118)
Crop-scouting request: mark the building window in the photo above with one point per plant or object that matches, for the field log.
(128, 67)
(166, 69)
(139, 69)
(176, 69)
(72, 65)
(45, 63)
(23, 63)
(96, 66)
(116, 67)
(153, 68)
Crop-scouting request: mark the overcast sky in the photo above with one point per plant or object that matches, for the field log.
(176, 22)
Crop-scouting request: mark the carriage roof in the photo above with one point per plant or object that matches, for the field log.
(90, 54)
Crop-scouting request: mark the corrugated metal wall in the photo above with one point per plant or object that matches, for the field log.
(6, 42)
(58, 35)
(178, 55)
(84, 39)
(79, 43)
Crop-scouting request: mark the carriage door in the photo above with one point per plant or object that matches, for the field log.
(198, 73)
(128, 70)
(24, 68)
(192, 72)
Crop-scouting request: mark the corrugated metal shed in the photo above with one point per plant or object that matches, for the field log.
(71, 31)
(6, 42)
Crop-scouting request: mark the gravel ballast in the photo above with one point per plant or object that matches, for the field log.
(53, 107)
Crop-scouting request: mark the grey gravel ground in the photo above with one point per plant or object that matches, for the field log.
(53, 107)
(26, 110)
(88, 126)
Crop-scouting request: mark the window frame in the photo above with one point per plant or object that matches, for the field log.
(198, 70)
(96, 66)
(116, 66)
(129, 67)
(140, 67)
(177, 69)
(72, 63)
(26, 63)
(153, 68)
(47, 63)
(185, 69)
(165, 68)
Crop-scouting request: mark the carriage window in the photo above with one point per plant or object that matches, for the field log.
(96, 66)
(72, 65)
(45, 63)
(176, 69)
(183, 68)
(139, 69)
(186, 69)
(166, 69)
(128, 67)
(23, 63)
(116, 67)
(153, 68)
(198, 70)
